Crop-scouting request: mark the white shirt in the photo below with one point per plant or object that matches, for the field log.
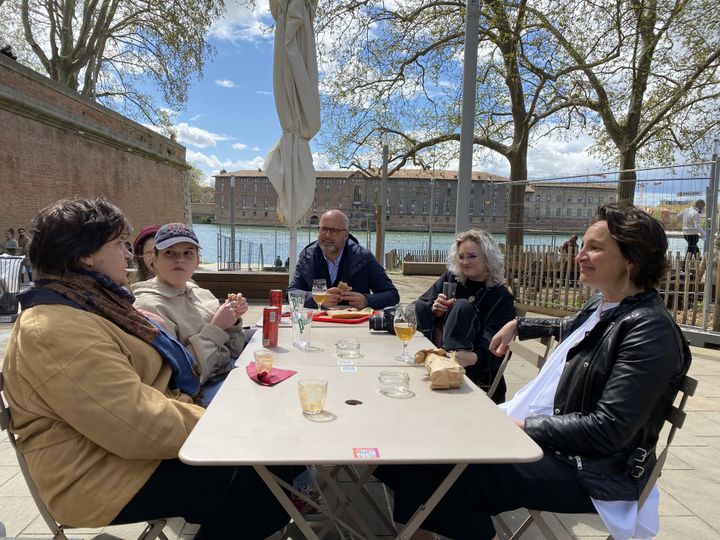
(333, 266)
(691, 221)
(622, 518)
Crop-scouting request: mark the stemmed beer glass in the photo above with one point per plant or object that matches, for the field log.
(405, 324)
(319, 291)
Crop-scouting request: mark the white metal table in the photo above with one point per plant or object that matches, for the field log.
(359, 425)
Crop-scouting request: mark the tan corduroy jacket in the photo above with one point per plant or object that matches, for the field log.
(91, 409)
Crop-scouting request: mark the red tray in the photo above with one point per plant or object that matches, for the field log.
(323, 317)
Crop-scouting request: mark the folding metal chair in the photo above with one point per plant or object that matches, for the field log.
(524, 352)
(676, 418)
(153, 530)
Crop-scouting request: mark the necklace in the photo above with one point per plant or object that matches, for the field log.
(474, 294)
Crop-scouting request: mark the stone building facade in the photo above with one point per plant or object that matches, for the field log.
(413, 198)
(56, 144)
(564, 206)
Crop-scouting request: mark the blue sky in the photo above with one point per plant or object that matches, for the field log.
(230, 121)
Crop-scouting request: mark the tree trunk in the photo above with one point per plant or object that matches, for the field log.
(628, 176)
(516, 206)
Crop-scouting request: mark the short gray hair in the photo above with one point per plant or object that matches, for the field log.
(493, 256)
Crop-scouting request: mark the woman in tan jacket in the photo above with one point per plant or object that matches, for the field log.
(95, 393)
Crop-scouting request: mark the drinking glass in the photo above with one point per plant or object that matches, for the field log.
(319, 291)
(301, 323)
(312, 395)
(296, 299)
(449, 289)
(405, 324)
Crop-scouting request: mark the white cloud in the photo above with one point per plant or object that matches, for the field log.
(196, 117)
(255, 148)
(196, 136)
(211, 164)
(225, 83)
(321, 163)
(263, 92)
(241, 23)
(239, 146)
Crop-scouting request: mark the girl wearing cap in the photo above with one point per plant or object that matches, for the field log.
(143, 254)
(210, 330)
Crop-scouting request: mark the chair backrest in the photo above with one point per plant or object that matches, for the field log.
(5, 419)
(676, 418)
(525, 353)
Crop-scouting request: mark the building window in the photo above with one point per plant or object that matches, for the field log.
(579, 212)
(557, 212)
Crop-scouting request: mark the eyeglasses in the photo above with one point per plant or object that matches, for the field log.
(330, 230)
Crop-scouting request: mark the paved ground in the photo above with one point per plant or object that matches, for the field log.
(690, 485)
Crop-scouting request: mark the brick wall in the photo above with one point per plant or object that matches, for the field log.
(55, 144)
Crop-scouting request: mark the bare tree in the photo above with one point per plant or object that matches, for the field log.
(108, 49)
(659, 94)
(399, 70)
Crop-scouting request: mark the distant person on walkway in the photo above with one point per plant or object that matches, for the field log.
(211, 331)
(99, 395)
(23, 241)
(596, 408)
(692, 231)
(570, 246)
(10, 244)
(143, 254)
(481, 306)
(336, 256)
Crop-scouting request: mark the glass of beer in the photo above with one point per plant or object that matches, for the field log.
(319, 291)
(404, 325)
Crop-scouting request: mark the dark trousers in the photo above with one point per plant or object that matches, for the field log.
(483, 491)
(227, 502)
(692, 241)
(461, 330)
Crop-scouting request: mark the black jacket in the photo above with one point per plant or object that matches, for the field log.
(617, 385)
(358, 268)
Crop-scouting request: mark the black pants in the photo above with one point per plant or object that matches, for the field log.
(483, 491)
(692, 241)
(462, 330)
(227, 502)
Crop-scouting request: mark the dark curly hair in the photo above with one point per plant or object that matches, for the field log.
(641, 238)
(70, 229)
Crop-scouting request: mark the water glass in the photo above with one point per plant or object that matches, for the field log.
(301, 325)
(394, 383)
(348, 348)
(312, 395)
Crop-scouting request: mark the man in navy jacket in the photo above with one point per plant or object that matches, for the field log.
(337, 256)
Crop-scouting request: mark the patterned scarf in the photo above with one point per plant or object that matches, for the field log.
(98, 294)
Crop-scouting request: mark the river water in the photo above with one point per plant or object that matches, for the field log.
(275, 241)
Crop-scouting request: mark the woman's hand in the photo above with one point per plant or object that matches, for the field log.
(240, 305)
(225, 316)
(501, 340)
(442, 305)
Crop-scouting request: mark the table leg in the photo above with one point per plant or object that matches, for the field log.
(272, 484)
(360, 481)
(345, 502)
(424, 510)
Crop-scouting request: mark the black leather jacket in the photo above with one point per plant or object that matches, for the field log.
(617, 385)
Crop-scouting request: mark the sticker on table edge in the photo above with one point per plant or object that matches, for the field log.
(348, 369)
(366, 453)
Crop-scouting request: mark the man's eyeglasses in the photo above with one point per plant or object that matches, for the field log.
(330, 230)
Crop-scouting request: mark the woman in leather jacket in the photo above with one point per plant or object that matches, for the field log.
(598, 404)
